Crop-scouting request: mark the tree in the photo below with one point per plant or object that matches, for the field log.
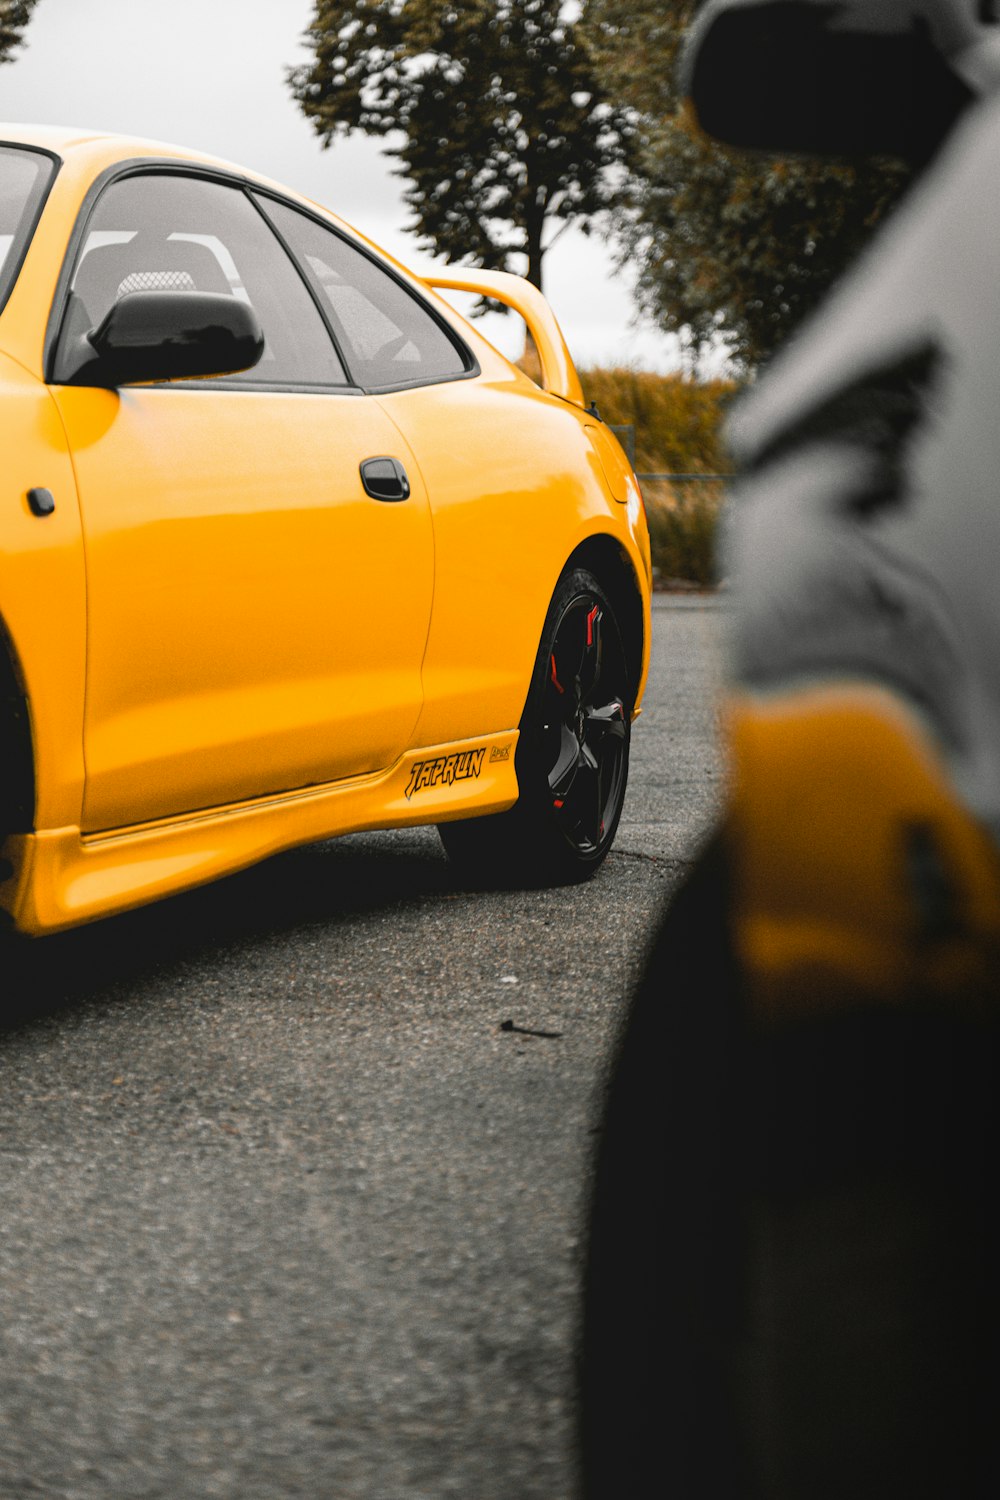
(729, 246)
(492, 109)
(14, 17)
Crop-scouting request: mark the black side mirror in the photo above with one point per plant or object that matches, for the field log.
(167, 336)
(820, 78)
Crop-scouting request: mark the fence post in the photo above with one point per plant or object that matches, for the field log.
(626, 436)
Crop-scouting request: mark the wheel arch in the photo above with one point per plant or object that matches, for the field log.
(17, 753)
(611, 565)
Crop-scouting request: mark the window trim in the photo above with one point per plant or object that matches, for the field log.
(234, 383)
(13, 269)
(307, 283)
(469, 360)
(138, 166)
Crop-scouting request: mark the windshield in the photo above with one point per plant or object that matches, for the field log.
(24, 179)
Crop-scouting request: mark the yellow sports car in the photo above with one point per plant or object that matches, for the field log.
(287, 549)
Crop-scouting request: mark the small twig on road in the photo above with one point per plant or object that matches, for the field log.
(526, 1030)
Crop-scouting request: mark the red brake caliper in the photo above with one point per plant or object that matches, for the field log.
(590, 623)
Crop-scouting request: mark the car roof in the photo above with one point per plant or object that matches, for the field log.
(67, 138)
(68, 141)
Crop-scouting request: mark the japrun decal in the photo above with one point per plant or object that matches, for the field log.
(445, 769)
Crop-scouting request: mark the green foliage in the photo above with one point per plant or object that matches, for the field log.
(14, 17)
(729, 246)
(493, 111)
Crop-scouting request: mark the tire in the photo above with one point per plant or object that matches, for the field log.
(572, 753)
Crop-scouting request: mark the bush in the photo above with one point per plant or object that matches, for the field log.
(677, 420)
(677, 423)
(683, 519)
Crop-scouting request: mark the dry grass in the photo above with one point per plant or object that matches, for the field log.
(677, 423)
(683, 521)
(677, 420)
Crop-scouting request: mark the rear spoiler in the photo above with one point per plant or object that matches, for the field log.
(559, 375)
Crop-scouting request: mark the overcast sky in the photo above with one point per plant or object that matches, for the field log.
(211, 74)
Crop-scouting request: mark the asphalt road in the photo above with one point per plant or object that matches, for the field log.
(285, 1212)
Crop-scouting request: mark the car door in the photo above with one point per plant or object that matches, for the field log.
(256, 620)
(502, 474)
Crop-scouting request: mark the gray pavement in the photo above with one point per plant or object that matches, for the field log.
(285, 1213)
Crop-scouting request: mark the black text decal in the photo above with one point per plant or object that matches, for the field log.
(446, 769)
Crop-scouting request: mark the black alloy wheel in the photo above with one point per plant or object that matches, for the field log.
(585, 725)
(572, 753)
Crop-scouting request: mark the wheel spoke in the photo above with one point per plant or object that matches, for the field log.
(563, 772)
(584, 763)
(603, 724)
(581, 799)
(590, 664)
(575, 663)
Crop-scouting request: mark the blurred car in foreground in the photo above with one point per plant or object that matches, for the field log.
(288, 549)
(791, 1284)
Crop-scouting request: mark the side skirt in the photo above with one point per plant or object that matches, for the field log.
(61, 878)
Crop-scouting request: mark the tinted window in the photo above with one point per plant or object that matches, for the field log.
(386, 335)
(24, 178)
(164, 233)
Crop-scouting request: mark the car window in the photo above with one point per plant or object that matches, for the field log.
(387, 336)
(24, 178)
(159, 232)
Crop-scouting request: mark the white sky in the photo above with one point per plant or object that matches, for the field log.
(210, 74)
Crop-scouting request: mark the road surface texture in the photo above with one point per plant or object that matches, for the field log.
(285, 1211)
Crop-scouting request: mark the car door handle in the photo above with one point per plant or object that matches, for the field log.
(385, 479)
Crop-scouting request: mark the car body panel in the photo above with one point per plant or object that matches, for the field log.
(230, 652)
(226, 646)
(490, 601)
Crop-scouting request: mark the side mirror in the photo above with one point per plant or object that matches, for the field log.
(167, 336)
(819, 78)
